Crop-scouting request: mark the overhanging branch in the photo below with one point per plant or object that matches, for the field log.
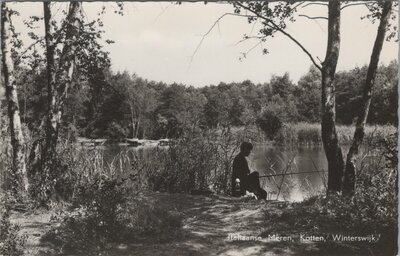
(212, 27)
(283, 32)
(313, 18)
(354, 4)
(320, 4)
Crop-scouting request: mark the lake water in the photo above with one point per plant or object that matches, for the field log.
(305, 167)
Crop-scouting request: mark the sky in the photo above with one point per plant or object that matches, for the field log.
(157, 41)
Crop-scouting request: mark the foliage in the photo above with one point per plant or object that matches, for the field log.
(372, 210)
(198, 162)
(186, 165)
(308, 96)
(9, 180)
(269, 122)
(84, 232)
(105, 209)
(111, 105)
(275, 114)
(11, 242)
(94, 222)
(60, 182)
(143, 218)
(375, 13)
(383, 107)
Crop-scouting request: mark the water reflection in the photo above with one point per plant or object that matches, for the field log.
(306, 167)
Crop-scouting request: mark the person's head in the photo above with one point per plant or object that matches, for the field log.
(246, 148)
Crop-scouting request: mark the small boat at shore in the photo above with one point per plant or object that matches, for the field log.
(144, 142)
(91, 142)
(133, 142)
(164, 142)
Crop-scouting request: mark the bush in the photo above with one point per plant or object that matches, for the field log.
(92, 221)
(104, 212)
(148, 219)
(287, 136)
(11, 243)
(59, 181)
(270, 123)
(199, 161)
(186, 165)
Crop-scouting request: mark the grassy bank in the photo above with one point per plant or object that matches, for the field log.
(310, 134)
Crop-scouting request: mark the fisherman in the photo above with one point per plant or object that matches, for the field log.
(242, 178)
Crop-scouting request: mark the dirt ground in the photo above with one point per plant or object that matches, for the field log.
(208, 223)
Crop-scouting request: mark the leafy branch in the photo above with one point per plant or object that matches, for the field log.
(278, 28)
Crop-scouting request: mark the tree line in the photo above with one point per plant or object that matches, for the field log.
(118, 105)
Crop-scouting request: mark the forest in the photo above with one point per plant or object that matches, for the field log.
(121, 105)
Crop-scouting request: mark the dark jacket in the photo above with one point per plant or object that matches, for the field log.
(240, 169)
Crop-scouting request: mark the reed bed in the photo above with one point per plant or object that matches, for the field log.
(310, 134)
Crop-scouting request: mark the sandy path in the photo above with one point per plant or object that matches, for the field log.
(208, 221)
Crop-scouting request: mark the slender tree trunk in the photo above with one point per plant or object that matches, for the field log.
(132, 121)
(328, 114)
(137, 127)
(350, 171)
(17, 138)
(59, 80)
(51, 124)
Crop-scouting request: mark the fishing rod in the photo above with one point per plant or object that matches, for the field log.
(288, 173)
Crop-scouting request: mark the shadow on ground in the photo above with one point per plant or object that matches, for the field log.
(207, 223)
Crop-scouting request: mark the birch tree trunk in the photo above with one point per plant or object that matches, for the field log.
(50, 124)
(350, 171)
(137, 126)
(132, 120)
(328, 114)
(17, 138)
(58, 78)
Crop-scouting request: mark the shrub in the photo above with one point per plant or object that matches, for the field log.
(186, 165)
(270, 123)
(58, 182)
(286, 136)
(93, 232)
(104, 211)
(148, 219)
(198, 161)
(11, 243)
(93, 218)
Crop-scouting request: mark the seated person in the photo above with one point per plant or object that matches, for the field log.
(249, 181)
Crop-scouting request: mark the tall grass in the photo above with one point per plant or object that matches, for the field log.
(101, 203)
(310, 134)
(199, 161)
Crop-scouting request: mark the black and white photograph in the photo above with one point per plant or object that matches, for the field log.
(191, 128)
